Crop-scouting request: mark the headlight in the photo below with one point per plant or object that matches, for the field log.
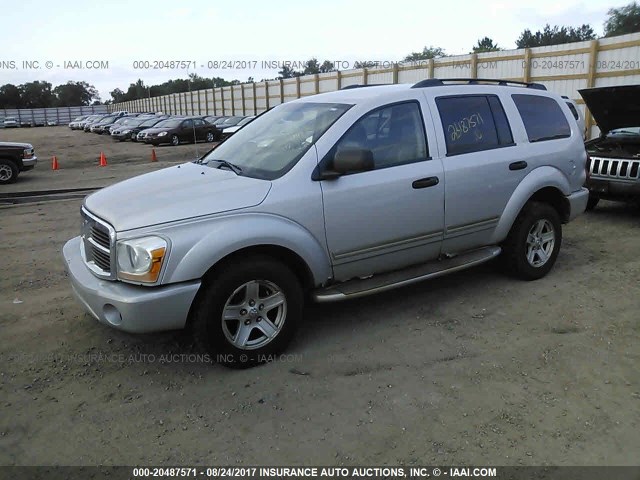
(140, 259)
(162, 134)
(125, 132)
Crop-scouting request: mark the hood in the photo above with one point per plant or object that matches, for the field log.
(175, 193)
(613, 107)
(15, 145)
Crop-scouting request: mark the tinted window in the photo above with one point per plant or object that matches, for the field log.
(542, 116)
(469, 125)
(187, 124)
(394, 134)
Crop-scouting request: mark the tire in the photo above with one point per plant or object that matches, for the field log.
(210, 137)
(8, 171)
(532, 246)
(175, 141)
(232, 289)
(592, 202)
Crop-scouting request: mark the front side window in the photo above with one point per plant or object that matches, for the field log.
(542, 116)
(473, 123)
(272, 143)
(394, 134)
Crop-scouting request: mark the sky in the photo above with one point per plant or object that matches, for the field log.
(118, 38)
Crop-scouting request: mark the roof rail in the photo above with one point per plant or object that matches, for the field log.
(437, 82)
(349, 87)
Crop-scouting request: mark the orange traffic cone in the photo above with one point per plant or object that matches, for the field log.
(103, 160)
(154, 158)
(54, 163)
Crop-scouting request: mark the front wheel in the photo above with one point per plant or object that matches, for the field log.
(533, 244)
(175, 141)
(8, 171)
(247, 312)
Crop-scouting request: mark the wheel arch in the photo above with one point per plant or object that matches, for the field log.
(545, 184)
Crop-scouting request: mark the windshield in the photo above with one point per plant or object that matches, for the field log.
(151, 122)
(107, 120)
(244, 121)
(272, 143)
(231, 121)
(220, 121)
(171, 123)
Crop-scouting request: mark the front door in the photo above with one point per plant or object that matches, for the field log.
(392, 216)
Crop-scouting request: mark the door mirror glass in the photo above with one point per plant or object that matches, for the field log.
(353, 160)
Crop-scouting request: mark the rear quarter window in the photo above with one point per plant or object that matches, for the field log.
(543, 117)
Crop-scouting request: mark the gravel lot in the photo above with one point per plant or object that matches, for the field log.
(474, 368)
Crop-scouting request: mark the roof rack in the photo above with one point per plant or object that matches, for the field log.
(438, 82)
(349, 87)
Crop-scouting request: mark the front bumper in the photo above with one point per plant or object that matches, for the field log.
(614, 188)
(29, 163)
(130, 308)
(577, 202)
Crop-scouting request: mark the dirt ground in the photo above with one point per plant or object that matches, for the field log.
(473, 368)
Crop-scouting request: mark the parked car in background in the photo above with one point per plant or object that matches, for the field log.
(97, 127)
(52, 123)
(228, 131)
(213, 118)
(227, 122)
(75, 123)
(27, 123)
(93, 121)
(11, 122)
(331, 197)
(129, 127)
(175, 131)
(15, 158)
(130, 132)
(614, 157)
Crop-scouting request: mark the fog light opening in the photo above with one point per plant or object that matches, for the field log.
(112, 314)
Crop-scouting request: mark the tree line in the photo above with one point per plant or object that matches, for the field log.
(37, 94)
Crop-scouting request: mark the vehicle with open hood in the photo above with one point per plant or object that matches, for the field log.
(614, 157)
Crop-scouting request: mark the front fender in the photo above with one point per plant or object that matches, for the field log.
(537, 179)
(223, 236)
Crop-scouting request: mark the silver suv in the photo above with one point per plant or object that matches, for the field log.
(332, 197)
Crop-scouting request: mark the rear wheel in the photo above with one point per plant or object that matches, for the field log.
(532, 246)
(210, 137)
(8, 171)
(248, 312)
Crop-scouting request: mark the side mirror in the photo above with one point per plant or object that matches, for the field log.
(348, 160)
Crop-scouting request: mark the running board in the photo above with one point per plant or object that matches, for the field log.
(399, 278)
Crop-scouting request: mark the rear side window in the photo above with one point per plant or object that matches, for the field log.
(473, 123)
(574, 112)
(542, 116)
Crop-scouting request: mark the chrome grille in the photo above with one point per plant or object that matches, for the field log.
(614, 167)
(98, 239)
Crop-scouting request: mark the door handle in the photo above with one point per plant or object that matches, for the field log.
(425, 182)
(518, 165)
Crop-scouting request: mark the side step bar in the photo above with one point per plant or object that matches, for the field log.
(399, 278)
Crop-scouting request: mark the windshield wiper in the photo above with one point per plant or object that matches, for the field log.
(223, 163)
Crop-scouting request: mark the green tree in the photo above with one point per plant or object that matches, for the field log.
(288, 72)
(36, 95)
(10, 96)
(554, 36)
(622, 20)
(426, 54)
(485, 45)
(75, 93)
(117, 95)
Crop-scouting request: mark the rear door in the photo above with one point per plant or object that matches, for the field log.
(186, 131)
(482, 167)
